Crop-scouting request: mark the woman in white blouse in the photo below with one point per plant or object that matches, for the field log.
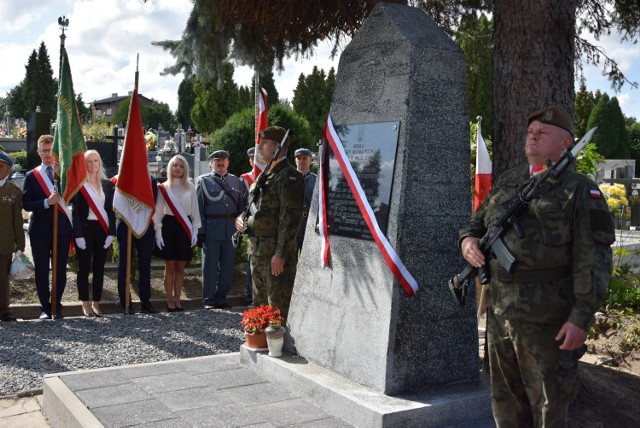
(176, 220)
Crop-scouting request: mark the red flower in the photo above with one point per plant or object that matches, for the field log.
(256, 320)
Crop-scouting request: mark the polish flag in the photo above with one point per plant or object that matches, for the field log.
(483, 171)
(262, 110)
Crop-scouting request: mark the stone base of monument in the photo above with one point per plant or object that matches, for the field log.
(451, 406)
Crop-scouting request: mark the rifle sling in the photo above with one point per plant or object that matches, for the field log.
(530, 276)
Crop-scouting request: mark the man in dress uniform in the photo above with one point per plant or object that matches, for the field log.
(273, 224)
(221, 200)
(304, 157)
(247, 179)
(12, 237)
(538, 316)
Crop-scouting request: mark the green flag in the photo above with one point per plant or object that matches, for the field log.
(68, 142)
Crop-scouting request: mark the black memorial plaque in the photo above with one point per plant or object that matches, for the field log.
(371, 149)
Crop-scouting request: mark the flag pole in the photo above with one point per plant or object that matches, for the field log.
(63, 22)
(127, 298)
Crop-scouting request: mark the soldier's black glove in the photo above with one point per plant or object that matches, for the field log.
(200, 241)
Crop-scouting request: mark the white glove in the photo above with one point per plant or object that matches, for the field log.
(194, 237)
(81, 243)
(159, 242)
(108, 241)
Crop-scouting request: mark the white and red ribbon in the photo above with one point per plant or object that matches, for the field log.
(94, 204)
(325, 247)
(406, 280)
(47, 188)
(176, 209)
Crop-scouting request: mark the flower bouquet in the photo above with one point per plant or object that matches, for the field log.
(256, 320)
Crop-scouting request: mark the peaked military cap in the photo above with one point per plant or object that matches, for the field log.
(555, 116)
(6, 159)
(303, 152)
(275, 133)
(219, 154)
(251, 151)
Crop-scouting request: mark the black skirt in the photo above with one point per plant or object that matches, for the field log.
(177, 244)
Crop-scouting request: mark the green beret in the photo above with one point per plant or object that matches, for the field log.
(555, 116)
(274, 133)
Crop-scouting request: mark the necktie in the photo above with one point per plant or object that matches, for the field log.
(50, 173)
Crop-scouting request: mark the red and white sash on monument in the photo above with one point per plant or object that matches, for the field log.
(47, 188)
(95, 205)
(176, 209)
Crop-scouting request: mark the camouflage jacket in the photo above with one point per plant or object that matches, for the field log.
(277, 212)
(568, 236)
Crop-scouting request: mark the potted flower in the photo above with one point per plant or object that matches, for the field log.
(255, 321)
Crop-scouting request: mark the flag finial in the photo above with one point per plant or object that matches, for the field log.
(479, 119)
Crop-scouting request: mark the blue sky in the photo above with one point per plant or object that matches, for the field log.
(104, 37)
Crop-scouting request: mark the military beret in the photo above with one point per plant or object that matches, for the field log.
(275, 133)
(6, 159)
(303, 152)
(219, 154)
(555, 116)
(251, 151)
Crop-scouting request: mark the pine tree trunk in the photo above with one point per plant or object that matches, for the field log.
(533, 67)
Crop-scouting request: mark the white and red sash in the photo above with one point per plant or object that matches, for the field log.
(47, 188)
(406, 280)
(248, 177)
(94, 204)
(176, 209)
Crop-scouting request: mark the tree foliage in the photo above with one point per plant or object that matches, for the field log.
(611, 138)
(537, 45)
(158, 114)
(633, 130)
(214, 104)
(312, 98)
(238, 134)
(186, 101)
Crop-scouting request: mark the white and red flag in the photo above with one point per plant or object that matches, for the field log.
(133, 200)
(405, 279)
(262, 111)
(483, 171)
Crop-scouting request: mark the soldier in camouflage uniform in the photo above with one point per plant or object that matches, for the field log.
(273, 224)
(538, 317)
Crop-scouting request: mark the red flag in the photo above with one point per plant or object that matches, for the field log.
(483, 171)
(262, 111)
(133, 200)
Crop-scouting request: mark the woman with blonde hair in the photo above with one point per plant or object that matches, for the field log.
(94, 227)
(176, 220)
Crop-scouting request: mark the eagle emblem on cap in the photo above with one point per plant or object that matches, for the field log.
(548, 115)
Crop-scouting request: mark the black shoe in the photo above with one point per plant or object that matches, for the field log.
(209, 307)
(171, 309)
(179, 309)
(58, 316)
(9, 317)
(223, 306)
(146, 308)
(44, 316)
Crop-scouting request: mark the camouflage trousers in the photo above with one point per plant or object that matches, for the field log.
(532, 381)
(269, 289)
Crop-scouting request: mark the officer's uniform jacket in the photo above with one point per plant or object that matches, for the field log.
(277, 212)
(11, 218)
(220, 202)
(565, 257)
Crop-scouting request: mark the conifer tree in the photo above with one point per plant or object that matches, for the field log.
(611, 138)
(585, 102)
(215, 103)
(186, 100)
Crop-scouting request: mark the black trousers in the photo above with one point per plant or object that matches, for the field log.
(144, 249)
(91, 259)
(41, 249)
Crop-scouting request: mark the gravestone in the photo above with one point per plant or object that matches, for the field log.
(355, 319)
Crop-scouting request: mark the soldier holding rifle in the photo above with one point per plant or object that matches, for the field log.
(539, 314)
(272, 222)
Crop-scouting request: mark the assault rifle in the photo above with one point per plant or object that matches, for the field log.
(255, 193)
(491, 244)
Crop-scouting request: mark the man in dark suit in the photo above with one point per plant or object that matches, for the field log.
(144, 249)
(41, 199)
